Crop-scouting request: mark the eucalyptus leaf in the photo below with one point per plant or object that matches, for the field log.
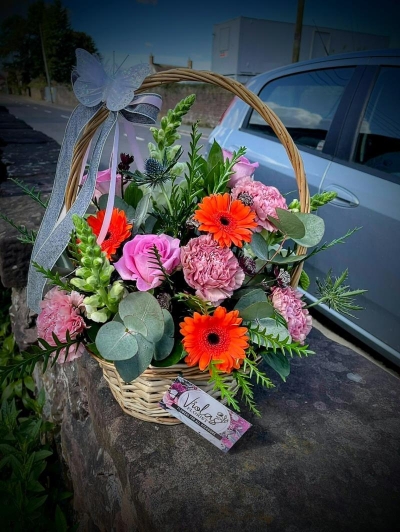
(288, 223)
(315, 229)
(133, 367)
(119, 203)
(175, 357)
(114, 342)
(256, 295)
(278, 362)
(149, 224)
(145, 307)
(289, 259)
(141, 210)
(259, 246)
(164, 346)
(135, 325)
(257, 311)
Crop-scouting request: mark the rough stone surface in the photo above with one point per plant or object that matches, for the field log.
(324, 456)
(23, 320)
(23, 136)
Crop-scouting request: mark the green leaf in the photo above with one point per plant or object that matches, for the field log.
(175, 357)
(145, 307)
(215, 155)
(315, 228)
(257, 311)
(304, 280)
(116, 343)
(279, 363)
(141, 211)
(131, 368)
(289, 259)
(270, 327)
(29, 383)
(288, 223)
(35, 503)
(60, 520)
(42, 454)
(164, 346)
(259, 246)
(135, 325)
(119, 203)
(255, 295)
(132, 195)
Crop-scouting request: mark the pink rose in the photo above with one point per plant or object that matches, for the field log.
(243, 168)
(138, 258)
(61, 313)
(287, 301)
(214, 272)
(262, 199)
(103, 183)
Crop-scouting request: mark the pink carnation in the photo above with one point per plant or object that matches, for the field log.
(263, 200)
(61, 313)
(243, 168)
(212, 271)
(288, 302)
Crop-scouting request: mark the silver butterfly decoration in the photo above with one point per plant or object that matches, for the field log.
(93, 84)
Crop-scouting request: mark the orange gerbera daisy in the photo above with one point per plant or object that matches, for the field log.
(216, 337)
(229, 221)
(118, 231)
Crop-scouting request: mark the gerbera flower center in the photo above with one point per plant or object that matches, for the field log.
(213, 338)
(224, 220)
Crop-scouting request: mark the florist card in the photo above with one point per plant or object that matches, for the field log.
(204, 414)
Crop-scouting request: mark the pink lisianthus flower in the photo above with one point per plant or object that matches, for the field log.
(243, 168)
(262, 199)
(214, 272)
(103, 183)
(138, 260)
(289, 304)
(61, 312)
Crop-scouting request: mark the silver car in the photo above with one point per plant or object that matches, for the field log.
(343, 112)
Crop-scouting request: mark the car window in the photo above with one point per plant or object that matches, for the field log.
(378, 143)
(306, 103)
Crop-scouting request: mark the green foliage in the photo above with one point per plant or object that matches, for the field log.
(218, 380)
(53, 277)
(340, 240)
(32, 192)
(94, 275)
(336, 295)
(141, 332)
(260, 336)
(26, 236)
(305, 229)
(316, 201)
(304, 280)
(278, 362)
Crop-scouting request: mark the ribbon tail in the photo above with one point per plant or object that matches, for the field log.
(59, 237)
(131, 134)
(111, 193)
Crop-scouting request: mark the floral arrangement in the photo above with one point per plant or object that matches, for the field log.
(196, 267)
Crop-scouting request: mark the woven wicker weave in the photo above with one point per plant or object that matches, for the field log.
(140, 398)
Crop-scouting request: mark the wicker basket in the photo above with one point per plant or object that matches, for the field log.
(141, 397)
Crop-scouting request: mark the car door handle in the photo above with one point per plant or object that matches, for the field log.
(344, 197)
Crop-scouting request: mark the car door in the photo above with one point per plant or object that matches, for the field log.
(366, 175)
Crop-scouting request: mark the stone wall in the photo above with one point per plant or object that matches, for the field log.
(323, 457)
(211, 101)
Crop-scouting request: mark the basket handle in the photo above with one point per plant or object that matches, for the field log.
(238, 89)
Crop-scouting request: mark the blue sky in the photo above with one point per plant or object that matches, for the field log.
(174, 30)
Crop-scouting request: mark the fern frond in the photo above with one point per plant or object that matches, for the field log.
(31, 192)
(219, 383)
(26, 236)
(252, 368)
(258, 335)
(243, 380)
(53, 277)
